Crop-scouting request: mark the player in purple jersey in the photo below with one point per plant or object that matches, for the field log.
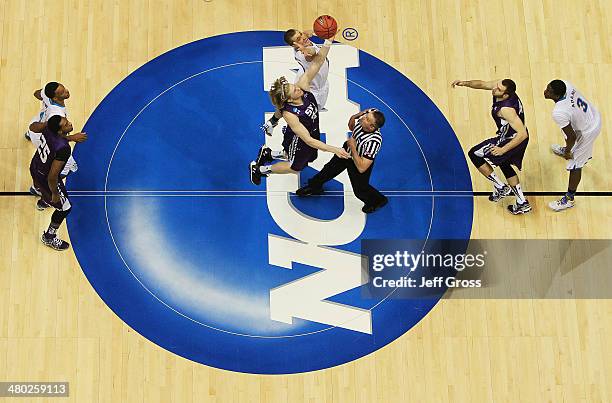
(45, 168)
(301, 138)
(508, 147)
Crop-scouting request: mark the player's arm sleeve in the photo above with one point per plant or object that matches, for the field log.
(562, 119)
(63, 154)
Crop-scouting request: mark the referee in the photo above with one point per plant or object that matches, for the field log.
(363, 146)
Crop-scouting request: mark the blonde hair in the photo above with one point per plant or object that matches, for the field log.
(279, 93)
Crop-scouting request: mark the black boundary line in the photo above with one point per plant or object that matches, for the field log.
(592, 194)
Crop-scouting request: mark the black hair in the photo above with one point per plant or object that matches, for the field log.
(510, 86)
(50, 89)
(289, 34)
(379, 118)
(54, 123)
(558, 87)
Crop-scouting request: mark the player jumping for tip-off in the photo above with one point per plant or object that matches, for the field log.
(304, 51)
(301, 137)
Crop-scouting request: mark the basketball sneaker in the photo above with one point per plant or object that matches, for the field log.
(41, 205)
(255, 174)
(54, 242)
(264, 156)
(499, 194)
(519, 208)
(558, 150)
(562, 204)
(268, 128)
(34, 191)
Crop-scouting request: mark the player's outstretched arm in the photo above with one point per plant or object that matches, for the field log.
(308, 52)
(299, 129)
(475, 84)
(77, 137)
(315, 65)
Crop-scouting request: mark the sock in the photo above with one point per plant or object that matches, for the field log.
(52, 230)
(496, 182)
(518, 192)
(278, 155)
(274, 120)
(570, 194)
(265, 169)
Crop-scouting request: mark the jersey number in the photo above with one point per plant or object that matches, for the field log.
(582, 105)
(43, 149)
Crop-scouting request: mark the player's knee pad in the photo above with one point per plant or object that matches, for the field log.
(508, 171)
(58, 216)
(476, 160)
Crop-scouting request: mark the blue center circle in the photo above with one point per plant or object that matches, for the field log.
(175, 239)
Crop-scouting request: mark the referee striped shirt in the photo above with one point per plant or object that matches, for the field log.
(367, 144)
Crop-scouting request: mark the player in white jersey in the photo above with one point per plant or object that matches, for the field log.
(581, 124)
(304, 51)
(52, 98)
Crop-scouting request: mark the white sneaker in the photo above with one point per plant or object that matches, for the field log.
(499, 194)
(558, 150)
(562, 204)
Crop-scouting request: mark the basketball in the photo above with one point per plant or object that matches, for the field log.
(325, 26)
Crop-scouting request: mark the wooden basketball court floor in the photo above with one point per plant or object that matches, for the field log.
(54, 327)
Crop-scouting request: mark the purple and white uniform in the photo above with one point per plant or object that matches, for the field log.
(505, 134)
(299, 153)
(52, 147)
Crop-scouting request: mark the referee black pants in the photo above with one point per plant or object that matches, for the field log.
(360, 181)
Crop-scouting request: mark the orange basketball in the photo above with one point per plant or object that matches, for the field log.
(325, 26)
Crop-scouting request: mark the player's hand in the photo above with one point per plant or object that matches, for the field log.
(351, 142)
(308, 32)
(497, 151)
(55, 197)
(341, 152)
(77, 137)
(568, 155)
(299, 47)
(457, 83)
